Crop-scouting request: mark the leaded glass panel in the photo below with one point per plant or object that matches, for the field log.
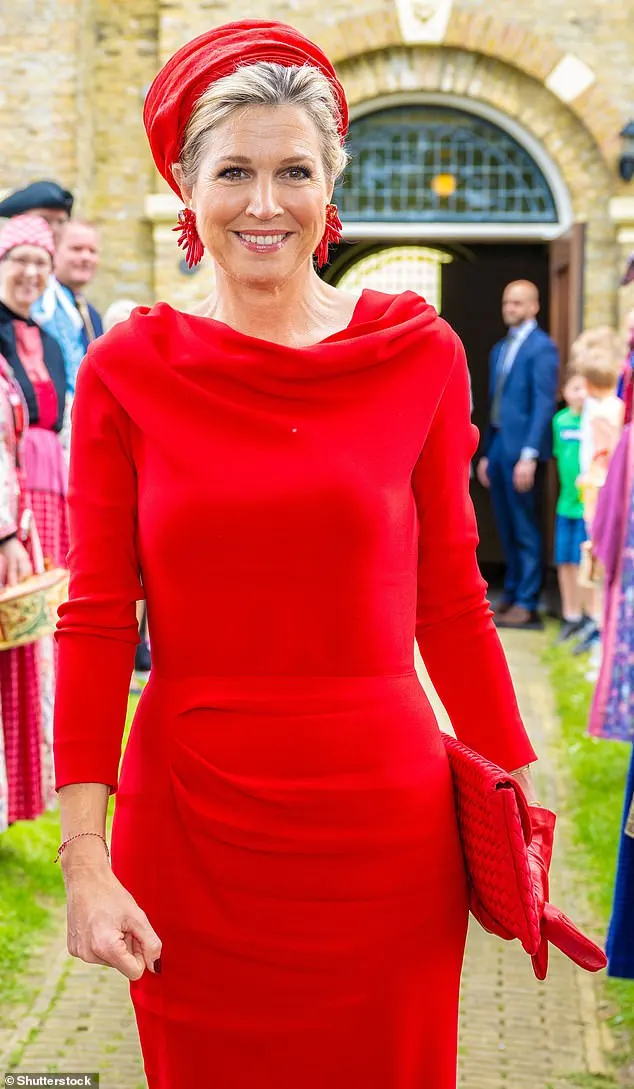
(439, 164)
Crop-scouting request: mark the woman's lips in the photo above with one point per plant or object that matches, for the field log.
(263, 243)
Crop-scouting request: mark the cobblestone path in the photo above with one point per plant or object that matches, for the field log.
(515, 1033)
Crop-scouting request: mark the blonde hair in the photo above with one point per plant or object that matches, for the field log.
(265, 84)
(600, 367)
(602, 341)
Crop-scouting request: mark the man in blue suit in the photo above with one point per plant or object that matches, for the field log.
(523, 381)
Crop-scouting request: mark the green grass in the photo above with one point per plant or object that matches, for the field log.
(595, 771)
(31, 888)
(31, 897)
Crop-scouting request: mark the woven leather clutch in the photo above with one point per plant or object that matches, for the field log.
(508, 846)
(495, 829)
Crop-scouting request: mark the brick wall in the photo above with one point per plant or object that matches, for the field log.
(38, 90)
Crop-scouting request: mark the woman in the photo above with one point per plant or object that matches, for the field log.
(26, 255)
(290, 899)
(612, 711)
(26, 721)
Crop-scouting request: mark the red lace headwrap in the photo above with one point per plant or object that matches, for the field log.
(187, 75)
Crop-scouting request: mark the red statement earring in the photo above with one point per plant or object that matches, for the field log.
(189, 239)
(332, 234)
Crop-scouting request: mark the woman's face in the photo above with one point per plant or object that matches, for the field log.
(24, 274)
(261, 193)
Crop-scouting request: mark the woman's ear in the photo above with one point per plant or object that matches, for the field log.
(186, 190)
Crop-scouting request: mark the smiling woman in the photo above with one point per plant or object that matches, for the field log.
(31, 362)
(259, 161)
(287, 892)
(26, 251)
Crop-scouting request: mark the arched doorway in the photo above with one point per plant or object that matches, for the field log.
(454, 203)
(398, 268)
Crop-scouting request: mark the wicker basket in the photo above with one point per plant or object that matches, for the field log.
(28, 611)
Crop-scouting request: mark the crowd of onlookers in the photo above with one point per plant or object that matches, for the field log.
(592, 441)
(47, 261)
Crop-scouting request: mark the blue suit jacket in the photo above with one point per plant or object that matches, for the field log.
(529, 398)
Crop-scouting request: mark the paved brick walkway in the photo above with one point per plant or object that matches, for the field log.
(515, 1033)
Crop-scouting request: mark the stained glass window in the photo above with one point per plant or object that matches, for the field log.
(439, 164)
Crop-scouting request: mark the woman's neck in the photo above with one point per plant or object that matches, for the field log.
(302, 311)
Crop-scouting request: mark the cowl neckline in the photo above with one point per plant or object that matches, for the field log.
(198, 348)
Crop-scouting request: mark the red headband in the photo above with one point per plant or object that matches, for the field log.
(187, 75)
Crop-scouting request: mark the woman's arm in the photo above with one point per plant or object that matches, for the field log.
(83, 808)
(97, 631)
(455, 632)
(97, 635)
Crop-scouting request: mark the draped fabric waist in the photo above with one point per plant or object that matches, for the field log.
(43, 461)
(279, 694)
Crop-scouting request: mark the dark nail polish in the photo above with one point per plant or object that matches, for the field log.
(157, 966)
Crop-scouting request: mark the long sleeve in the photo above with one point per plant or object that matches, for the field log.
(97, 630)
(455, 632)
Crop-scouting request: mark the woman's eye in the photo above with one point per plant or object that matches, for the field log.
(299, 172)
(232, 172)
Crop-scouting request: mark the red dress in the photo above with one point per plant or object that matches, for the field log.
(285, 812)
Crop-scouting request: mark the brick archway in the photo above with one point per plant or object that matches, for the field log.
(476, 33)
(419, 70)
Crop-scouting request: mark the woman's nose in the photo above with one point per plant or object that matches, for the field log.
(263, 200)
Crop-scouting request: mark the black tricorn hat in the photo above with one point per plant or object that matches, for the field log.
(39, 194)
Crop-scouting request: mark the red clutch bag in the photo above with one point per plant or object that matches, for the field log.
(507, 846)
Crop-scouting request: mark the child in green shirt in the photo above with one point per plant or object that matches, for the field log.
(570, 529)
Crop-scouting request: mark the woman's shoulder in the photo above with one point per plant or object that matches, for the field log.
(409, 313)
(131, 341)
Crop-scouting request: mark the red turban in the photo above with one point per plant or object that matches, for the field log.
(187, 75)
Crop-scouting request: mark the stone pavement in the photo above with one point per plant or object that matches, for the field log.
(515, 1032)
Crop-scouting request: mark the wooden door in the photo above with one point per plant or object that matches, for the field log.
(566, 289)
(565, 323)
(472, 288)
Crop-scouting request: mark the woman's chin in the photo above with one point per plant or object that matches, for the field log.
(23, 300)
(264, 274)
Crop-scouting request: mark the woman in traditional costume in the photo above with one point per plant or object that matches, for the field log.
(287, 477)
(35, 358)
(26, 683)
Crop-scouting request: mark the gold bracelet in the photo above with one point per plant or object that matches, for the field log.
(62, 847)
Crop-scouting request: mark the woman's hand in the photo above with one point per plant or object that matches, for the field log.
(105, 925)
(15, 565)
(482, 472)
